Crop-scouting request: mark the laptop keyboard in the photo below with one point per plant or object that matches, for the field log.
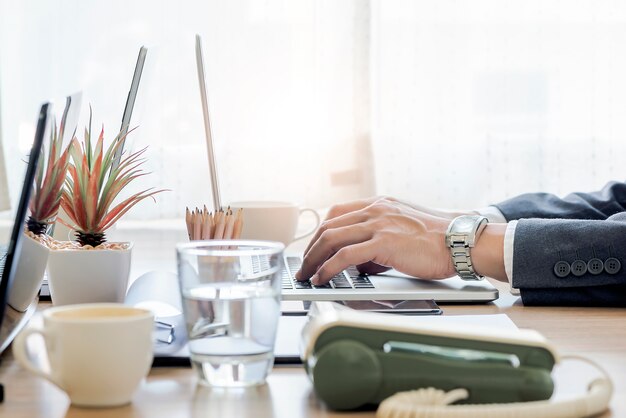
(350, 278)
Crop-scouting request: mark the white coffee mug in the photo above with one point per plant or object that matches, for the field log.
(98, 352)
(273, 221)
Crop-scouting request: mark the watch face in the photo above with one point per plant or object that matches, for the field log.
(464, 224)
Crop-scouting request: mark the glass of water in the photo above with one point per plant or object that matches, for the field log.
(231, 303)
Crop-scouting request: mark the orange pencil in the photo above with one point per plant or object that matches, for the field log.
(220, 224)
(230, 224)
(209, 225)
(197, 225)
(238, 224)
(188, 222)
(203, 227)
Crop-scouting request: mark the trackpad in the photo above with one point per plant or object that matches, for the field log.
(407, 307)
(294, 307)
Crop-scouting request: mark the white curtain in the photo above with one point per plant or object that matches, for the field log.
(462, 103)
(479, 100)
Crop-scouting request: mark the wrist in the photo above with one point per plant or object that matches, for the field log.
(488, 254)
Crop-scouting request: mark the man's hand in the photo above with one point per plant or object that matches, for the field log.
(377, 234)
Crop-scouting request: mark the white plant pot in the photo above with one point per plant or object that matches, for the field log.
(29, 272)
(86, 276)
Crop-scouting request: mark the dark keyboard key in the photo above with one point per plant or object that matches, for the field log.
(322, 286)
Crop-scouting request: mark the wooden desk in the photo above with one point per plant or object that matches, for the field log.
(599, 334)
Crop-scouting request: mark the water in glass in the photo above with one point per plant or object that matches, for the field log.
(232, 328)
(231, 304)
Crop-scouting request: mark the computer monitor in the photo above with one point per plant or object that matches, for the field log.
(11, 320)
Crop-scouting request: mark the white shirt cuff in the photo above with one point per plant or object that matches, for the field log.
(509, 237)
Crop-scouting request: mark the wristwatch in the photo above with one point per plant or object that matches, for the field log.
(462, 234)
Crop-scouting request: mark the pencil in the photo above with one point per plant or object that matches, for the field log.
(238, 224)
(230, 224)
(188, 222)
(220, 224)
(203, 227)
(213, 218)
(197, 225)
(209, 225)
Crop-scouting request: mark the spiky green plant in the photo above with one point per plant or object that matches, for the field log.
(49, 179)
(94, 182)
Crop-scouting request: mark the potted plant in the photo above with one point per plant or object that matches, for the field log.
(92, 269)
(44, 207)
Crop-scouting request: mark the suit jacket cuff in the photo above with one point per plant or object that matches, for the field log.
(540, 243)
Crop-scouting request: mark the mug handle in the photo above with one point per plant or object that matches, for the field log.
(317, 223)
(19, 352)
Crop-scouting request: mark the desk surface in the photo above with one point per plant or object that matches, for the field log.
(599, 334)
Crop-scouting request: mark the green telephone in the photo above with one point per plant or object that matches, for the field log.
(361, 358)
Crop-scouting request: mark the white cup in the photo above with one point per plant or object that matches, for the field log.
(273, 221)
(98, 353)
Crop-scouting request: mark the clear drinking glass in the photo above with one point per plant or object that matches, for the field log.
(231, 303)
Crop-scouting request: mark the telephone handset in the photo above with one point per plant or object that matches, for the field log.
(362, 358)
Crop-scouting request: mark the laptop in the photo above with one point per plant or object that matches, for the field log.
(11, 320)
(349, 284)
(391, 285)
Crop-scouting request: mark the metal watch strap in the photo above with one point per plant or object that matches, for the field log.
(460, 251)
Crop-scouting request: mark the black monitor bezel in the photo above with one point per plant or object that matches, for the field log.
(15, 242)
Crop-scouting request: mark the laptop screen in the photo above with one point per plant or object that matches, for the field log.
(11, 320)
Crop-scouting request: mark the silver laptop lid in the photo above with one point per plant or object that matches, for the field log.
(130, 101)
(217, 200)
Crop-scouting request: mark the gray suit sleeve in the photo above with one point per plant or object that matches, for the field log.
(597, 205)
(540, 243)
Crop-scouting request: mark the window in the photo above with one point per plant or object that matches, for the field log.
(281, 79)
(447, 103)
(475, 101)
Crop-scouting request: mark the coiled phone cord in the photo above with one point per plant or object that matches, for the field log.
(435, 403)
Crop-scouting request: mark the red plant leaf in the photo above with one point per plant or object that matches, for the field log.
(118, 211)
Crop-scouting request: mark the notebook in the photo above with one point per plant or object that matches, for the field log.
(11, 320)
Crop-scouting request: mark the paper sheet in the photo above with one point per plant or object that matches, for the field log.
(290, 328)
